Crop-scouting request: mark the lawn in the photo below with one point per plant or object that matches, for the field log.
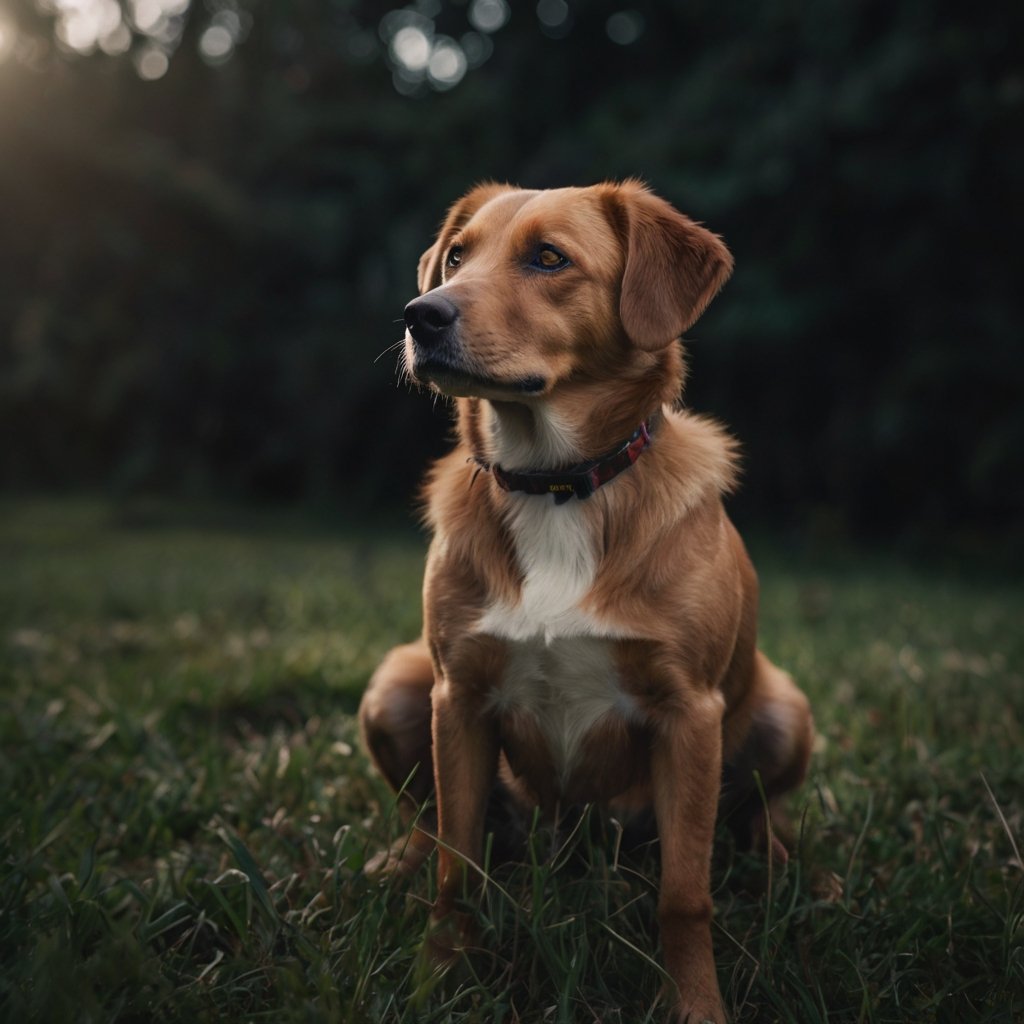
(186, 811)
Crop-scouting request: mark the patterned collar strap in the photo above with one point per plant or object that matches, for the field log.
(580, 480)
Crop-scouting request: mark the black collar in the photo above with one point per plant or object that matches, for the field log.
(580, 480)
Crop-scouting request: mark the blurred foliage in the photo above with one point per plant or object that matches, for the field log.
(197, 272)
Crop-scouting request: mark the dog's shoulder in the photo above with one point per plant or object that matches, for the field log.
(693, 463)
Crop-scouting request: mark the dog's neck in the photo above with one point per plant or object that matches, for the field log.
(582, 419)
(525, 437)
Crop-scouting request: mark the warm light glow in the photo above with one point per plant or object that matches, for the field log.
(82, 24)
(8, 36)
(76, 33)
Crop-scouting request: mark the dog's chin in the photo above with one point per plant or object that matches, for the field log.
(455, 382)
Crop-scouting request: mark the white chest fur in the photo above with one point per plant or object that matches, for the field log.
(557, 557)
(568, 686)
(560, 667)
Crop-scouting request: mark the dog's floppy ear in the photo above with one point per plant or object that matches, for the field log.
(429, 273)
(674, 267)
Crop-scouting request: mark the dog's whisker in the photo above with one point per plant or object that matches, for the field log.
(390, 348)
(403, 372)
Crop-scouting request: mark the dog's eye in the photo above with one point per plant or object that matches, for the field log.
(548, 258)
(454, 256)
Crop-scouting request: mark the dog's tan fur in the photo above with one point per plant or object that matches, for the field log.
(601, 650)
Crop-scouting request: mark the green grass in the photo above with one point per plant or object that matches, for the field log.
(185, 813)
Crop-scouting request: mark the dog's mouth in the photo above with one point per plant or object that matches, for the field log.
(457, 382)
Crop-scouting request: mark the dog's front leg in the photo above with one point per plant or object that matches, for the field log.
(465, 766)
(685, 771)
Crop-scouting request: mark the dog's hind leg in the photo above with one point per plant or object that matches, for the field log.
(394, 720)
(776, 744)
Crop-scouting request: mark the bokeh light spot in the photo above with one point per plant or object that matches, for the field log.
(447, 64)
(146, 14)
(216, 44)
(552, 13)
(476, 47)
(488, 15)
(151, 63)
(625, 27)
(77, 32)
(410, 47)
(116, 42)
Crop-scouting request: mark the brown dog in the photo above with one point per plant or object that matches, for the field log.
(589, 610)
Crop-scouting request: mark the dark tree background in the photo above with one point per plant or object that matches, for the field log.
(209, 233)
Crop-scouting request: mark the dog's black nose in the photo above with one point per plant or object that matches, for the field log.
(429, 317)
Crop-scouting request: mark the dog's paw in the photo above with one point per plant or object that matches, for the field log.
(440, 954)
(448, 936)
(703, 1007)
(401, 859)
(699, 1015)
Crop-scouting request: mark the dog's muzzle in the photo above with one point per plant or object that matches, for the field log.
(439, 358)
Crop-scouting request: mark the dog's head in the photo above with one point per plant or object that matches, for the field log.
(524, 289)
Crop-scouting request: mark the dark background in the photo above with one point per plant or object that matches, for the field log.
(198, 268)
